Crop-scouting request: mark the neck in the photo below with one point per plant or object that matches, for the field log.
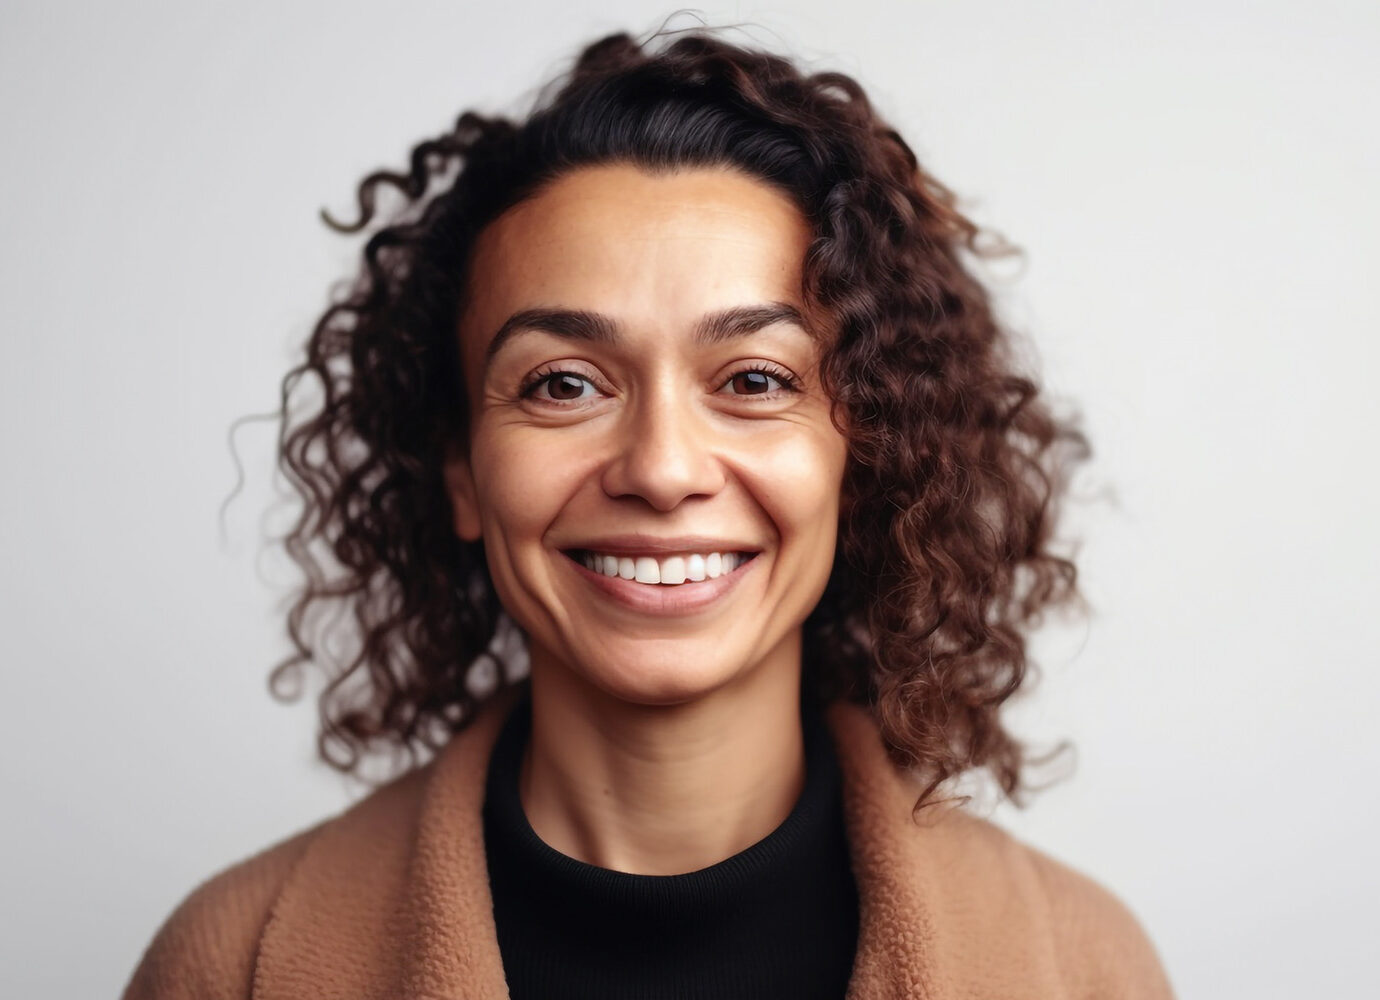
(662, 789)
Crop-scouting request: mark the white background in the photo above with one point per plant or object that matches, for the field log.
(1194, 185)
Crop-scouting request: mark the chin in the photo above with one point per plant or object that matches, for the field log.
(659, 672)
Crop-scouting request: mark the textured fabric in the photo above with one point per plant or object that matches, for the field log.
(391, 899)
(779, 918)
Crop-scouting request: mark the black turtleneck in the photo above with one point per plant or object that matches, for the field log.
(778, 919)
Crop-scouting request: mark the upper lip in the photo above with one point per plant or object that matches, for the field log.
(646, 545)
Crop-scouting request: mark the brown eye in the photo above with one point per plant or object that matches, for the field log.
(563, 385)
(560, 387)
(754, 383)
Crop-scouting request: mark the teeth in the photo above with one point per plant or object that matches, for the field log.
(694, 568)
(648, 571)
(671, 571)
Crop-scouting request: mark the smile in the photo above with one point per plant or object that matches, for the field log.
(666, 571)
(645, 583)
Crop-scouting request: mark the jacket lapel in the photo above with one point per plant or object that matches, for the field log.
(454, 944)
(949, 905)
(392, 900)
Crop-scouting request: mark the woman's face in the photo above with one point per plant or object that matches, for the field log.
(645, 404)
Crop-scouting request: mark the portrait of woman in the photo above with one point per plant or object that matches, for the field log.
(559, 499)
(692, 506)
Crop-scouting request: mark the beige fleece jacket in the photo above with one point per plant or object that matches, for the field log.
(390, 899)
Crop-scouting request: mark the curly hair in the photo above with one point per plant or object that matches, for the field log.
(952, 478)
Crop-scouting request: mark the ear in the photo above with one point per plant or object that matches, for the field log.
(464, 498)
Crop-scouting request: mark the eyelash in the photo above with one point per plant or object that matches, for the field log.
(788, 382)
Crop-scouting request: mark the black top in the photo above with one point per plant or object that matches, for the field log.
(779, 919)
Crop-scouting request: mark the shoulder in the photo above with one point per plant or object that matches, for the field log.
(208, 946)
(980, 891)
(205, 947)
(1101, 946)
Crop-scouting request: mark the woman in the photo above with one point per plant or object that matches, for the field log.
(684, 383)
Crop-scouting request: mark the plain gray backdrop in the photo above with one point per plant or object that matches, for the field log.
(1194, 186)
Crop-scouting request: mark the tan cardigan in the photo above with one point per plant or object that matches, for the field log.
(390, 899)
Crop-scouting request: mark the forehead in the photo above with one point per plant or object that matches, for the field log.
(657, 249)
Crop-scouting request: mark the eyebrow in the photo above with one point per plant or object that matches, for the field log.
(584, 325)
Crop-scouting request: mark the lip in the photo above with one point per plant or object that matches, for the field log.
(658, 545)
(656, 599)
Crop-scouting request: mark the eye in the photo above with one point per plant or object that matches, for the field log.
(559, 387)
(760, 381)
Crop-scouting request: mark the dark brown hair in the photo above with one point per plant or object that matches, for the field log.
(952, 479)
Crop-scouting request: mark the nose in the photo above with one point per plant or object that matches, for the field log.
(665, 452)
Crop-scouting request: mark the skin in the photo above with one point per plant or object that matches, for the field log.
(661, 744)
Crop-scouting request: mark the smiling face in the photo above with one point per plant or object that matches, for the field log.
(645, 410)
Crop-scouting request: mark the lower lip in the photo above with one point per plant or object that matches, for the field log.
(663, 599)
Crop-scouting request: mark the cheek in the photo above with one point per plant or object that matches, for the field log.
(797, 478)
(524, 478)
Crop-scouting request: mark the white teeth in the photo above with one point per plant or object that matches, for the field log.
(648, 570)
(694, 568)
(671, 571)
